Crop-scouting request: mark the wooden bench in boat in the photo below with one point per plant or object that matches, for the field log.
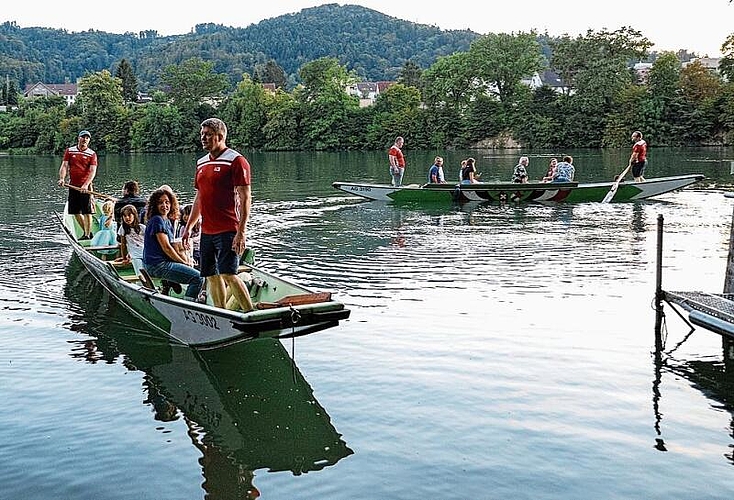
(101, 247)
(296, 300)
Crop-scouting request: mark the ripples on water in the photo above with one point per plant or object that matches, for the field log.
(491, 353)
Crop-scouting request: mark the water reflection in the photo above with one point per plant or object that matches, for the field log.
(714, 378)
(247, 407)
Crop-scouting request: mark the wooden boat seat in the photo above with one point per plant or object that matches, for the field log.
(102, 247)
(296, 300)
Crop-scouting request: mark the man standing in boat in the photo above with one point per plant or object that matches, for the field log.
(397, 161)
(638, 158)
(222, 202)
(80, 162)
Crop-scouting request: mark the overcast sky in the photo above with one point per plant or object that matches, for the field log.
(697, 26)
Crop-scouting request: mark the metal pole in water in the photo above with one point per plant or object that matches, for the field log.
(659, 265)
(658, 283)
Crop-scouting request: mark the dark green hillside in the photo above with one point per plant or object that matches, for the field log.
(374, 45)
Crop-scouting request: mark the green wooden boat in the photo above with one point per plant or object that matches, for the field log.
(286, 308)
(247, 407)
(507, 192)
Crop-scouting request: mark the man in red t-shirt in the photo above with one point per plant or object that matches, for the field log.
(80, 162)
(397, 161)
(222, 201)
(638, 158)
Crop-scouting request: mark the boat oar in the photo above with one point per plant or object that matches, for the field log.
(98, 195)
(612, 191)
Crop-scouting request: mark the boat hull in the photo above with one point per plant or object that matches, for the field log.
(203, 325)
(500, 193)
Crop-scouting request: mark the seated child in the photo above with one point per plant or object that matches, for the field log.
(195, 236)
(132, 236)
(107, 234)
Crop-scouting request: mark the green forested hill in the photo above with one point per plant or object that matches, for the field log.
(373, 44)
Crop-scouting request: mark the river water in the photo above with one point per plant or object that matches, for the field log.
(491, 352)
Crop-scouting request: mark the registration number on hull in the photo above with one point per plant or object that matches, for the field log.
(201, 319)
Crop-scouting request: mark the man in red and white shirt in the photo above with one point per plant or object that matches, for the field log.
(222, 202)
(638, 158)
(397, 161)
(80, 162)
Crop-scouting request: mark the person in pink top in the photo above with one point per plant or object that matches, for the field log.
(222, 204)
(638, 158)
(80, 162)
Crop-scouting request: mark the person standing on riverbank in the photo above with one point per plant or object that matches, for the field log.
(80, 162)
(638, 158)
(222, 203)
(397, 161)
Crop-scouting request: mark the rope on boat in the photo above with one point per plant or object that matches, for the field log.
(295, 317)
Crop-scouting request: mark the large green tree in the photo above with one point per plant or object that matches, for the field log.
(326, 104)
(193, 81)
(102, 111)
(160, 128)
(410, 74)
(501, 61)
(129, 82)
(246, 112)
(595, 70)
(270, 72)
(449, 82)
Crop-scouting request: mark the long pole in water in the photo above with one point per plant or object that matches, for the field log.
(613, 190)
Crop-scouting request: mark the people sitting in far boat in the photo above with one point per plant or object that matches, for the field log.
(160, 258)
(435, 173)
(107, 234)
(461, 170)
(565, 170)
(132, 237)
(520, 174)
(469, 173)
(130, 196)
(551, 170)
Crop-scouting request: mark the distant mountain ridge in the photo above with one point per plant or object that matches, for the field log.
(373, 44)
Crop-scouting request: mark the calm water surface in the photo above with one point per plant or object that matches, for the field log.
(491, 353)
